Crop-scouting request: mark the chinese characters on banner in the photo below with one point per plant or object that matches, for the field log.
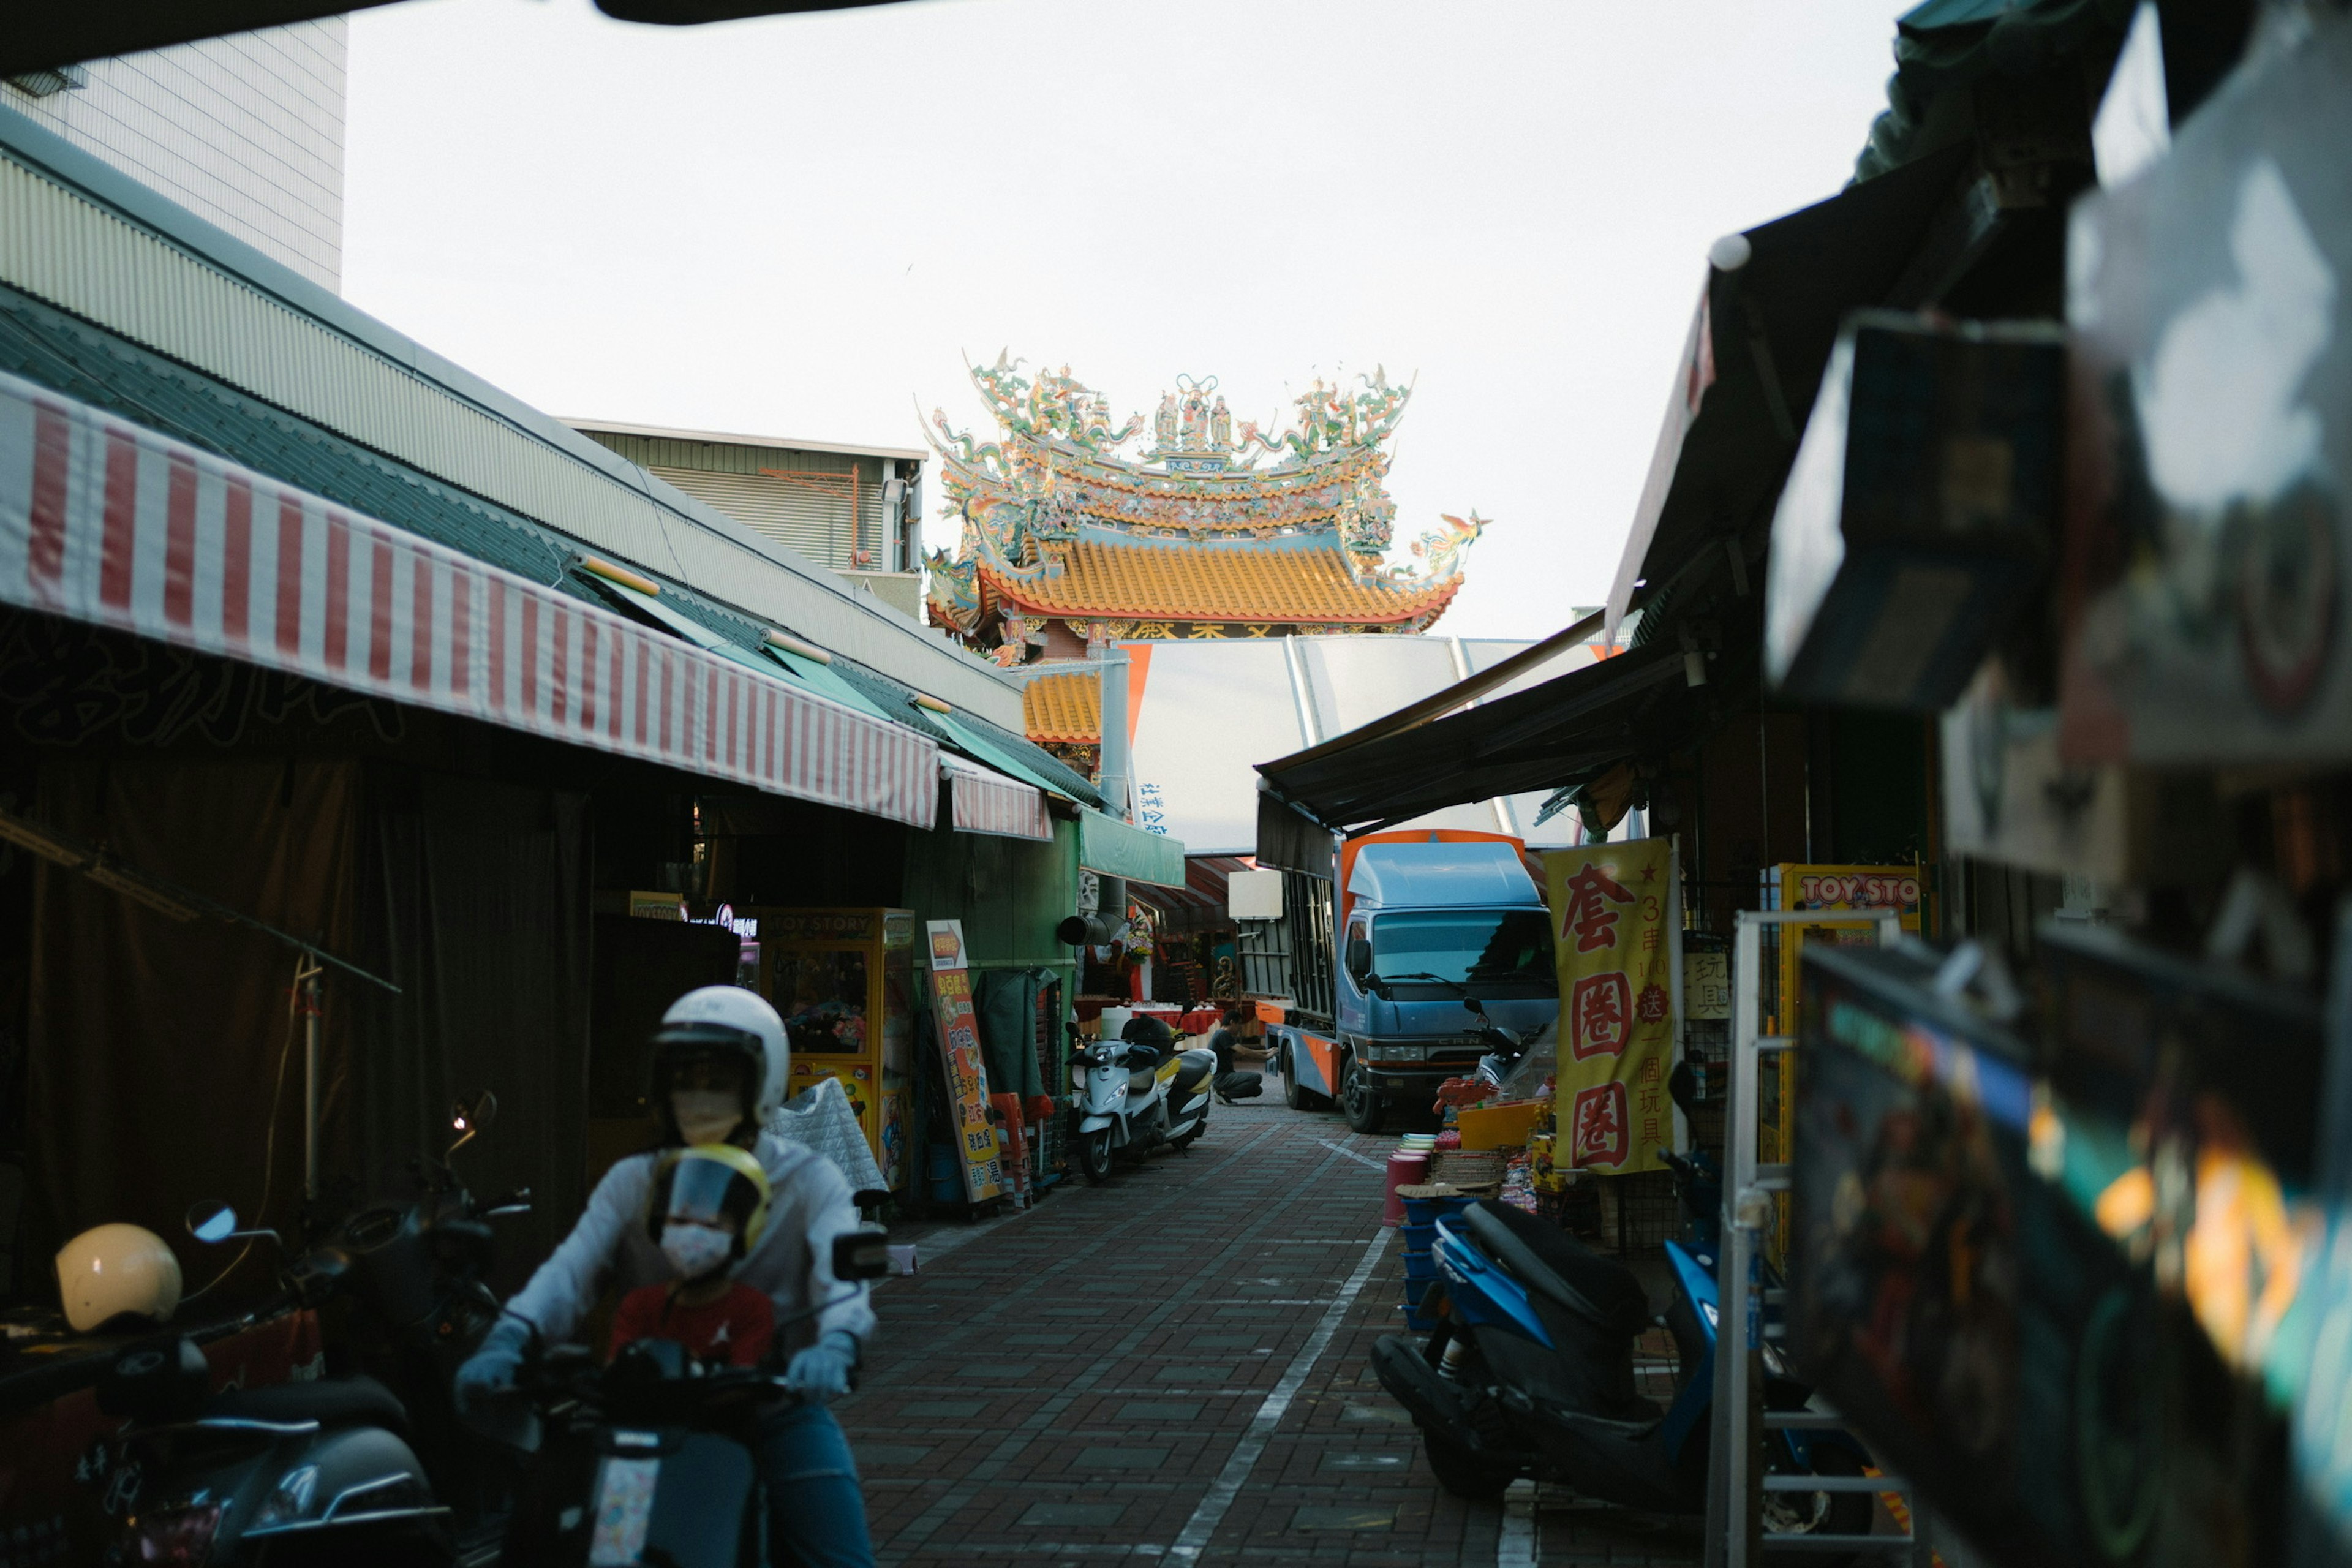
(967, 1073)
(1610, 905)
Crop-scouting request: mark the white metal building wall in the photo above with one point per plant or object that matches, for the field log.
(795, 517)
(244, 131)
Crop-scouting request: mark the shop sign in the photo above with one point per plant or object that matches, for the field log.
(967, 1073)
(1612, 941)
(1706, 987)
(2084, 1311)
(821, 925)
(1838, 887)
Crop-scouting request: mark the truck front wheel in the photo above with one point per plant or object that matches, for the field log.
(1363, 1104)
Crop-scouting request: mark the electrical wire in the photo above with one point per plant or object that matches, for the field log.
(269, 1141)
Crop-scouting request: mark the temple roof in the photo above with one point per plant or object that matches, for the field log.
(1064, 708)
(1203, 521)
(1308, 582)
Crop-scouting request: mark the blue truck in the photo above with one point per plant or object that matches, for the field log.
(1360, 978)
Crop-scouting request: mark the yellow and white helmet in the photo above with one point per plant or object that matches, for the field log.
(112, 1269)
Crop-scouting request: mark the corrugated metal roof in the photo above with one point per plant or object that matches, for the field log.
(49, 347)
(81, 235)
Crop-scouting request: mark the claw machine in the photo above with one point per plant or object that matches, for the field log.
(844, 981)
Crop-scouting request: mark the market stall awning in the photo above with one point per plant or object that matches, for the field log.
(1559, 732)
(1200, 903)
(984, 801)
(1754, 355)
(104, 522)
(1114, 849)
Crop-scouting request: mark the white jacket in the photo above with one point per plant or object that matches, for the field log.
(792, 1261)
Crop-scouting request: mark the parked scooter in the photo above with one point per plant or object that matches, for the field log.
(1136, 1093)
(1530, 1372)
(327, 1471)
(653, 1458)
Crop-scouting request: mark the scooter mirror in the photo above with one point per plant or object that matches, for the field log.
(861, 1254)
(467, 1118)
(211, 1221)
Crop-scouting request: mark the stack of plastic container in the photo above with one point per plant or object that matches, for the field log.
(1421, 1210)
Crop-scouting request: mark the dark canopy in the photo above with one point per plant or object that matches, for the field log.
(1566, 729)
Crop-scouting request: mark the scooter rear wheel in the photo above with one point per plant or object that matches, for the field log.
(1463, 1473)
(1094, 1154)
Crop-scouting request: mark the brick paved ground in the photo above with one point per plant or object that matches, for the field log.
(1069, 1385)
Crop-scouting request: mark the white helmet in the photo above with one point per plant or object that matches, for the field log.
(723, 1020)
(116, 1269)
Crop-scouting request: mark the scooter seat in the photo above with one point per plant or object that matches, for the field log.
(329, 1401)
(1555, 1265)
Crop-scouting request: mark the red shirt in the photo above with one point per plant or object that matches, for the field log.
(735, 1329)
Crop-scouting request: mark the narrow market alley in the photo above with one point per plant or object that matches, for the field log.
(1176, 1365)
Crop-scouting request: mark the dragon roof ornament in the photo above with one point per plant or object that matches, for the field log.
(1188, 472)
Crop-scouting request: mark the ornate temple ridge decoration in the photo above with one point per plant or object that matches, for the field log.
(1182, 523)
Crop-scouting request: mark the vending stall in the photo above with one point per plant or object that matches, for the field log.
(844, 981)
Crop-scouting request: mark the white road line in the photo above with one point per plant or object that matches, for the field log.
(1343, 1148)
(1515, 1547)
(1194, 1538)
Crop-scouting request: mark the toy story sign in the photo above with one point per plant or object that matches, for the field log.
(967, 1074)
(1613, 944)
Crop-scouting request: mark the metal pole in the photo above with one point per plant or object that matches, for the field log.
(307, 984)
(1114, 764)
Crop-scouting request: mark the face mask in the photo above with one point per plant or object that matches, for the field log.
(695, 1250)
(706, 1115)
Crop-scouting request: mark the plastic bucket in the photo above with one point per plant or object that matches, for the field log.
(1420, 1267)
(1420, 1211)
(1407, 1168)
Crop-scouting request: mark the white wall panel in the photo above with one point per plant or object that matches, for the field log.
(244, 131)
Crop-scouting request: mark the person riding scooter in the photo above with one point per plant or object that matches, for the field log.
(719, 1066)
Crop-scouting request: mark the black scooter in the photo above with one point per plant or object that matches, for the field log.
(653, 1458)
(328, 1471)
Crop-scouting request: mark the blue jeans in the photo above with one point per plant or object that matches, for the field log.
(816, 1514)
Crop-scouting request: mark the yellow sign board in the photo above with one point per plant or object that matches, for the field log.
(967, 1072)
(1613, 945)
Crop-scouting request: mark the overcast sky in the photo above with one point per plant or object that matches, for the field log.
(798, 225)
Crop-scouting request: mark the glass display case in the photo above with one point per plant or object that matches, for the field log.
(844, 981)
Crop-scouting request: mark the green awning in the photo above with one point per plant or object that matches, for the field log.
(969, 737)
(821, 677)
(1113, 848)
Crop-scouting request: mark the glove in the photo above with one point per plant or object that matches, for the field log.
(485, 1388)
(821, 1374)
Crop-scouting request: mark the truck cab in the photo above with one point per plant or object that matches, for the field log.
(1423, 920)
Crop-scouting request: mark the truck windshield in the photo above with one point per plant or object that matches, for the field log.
(1492, 951)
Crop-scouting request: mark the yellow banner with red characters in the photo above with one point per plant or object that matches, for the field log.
(1609, 908)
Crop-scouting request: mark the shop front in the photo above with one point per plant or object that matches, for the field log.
(315, 830)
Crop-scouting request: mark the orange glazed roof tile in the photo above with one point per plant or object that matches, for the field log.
(1065, 707)
(1191, 582)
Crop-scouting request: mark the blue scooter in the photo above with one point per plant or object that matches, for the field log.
(1530, 1373)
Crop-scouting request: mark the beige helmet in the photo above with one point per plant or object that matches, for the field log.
(116, 1269)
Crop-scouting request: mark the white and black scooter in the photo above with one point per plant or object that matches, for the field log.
(1136, 1092)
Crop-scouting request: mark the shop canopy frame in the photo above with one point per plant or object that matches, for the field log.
(106, 523)
(1758, 343)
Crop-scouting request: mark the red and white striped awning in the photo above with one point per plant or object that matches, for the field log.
(985, 801)
(117, 526)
